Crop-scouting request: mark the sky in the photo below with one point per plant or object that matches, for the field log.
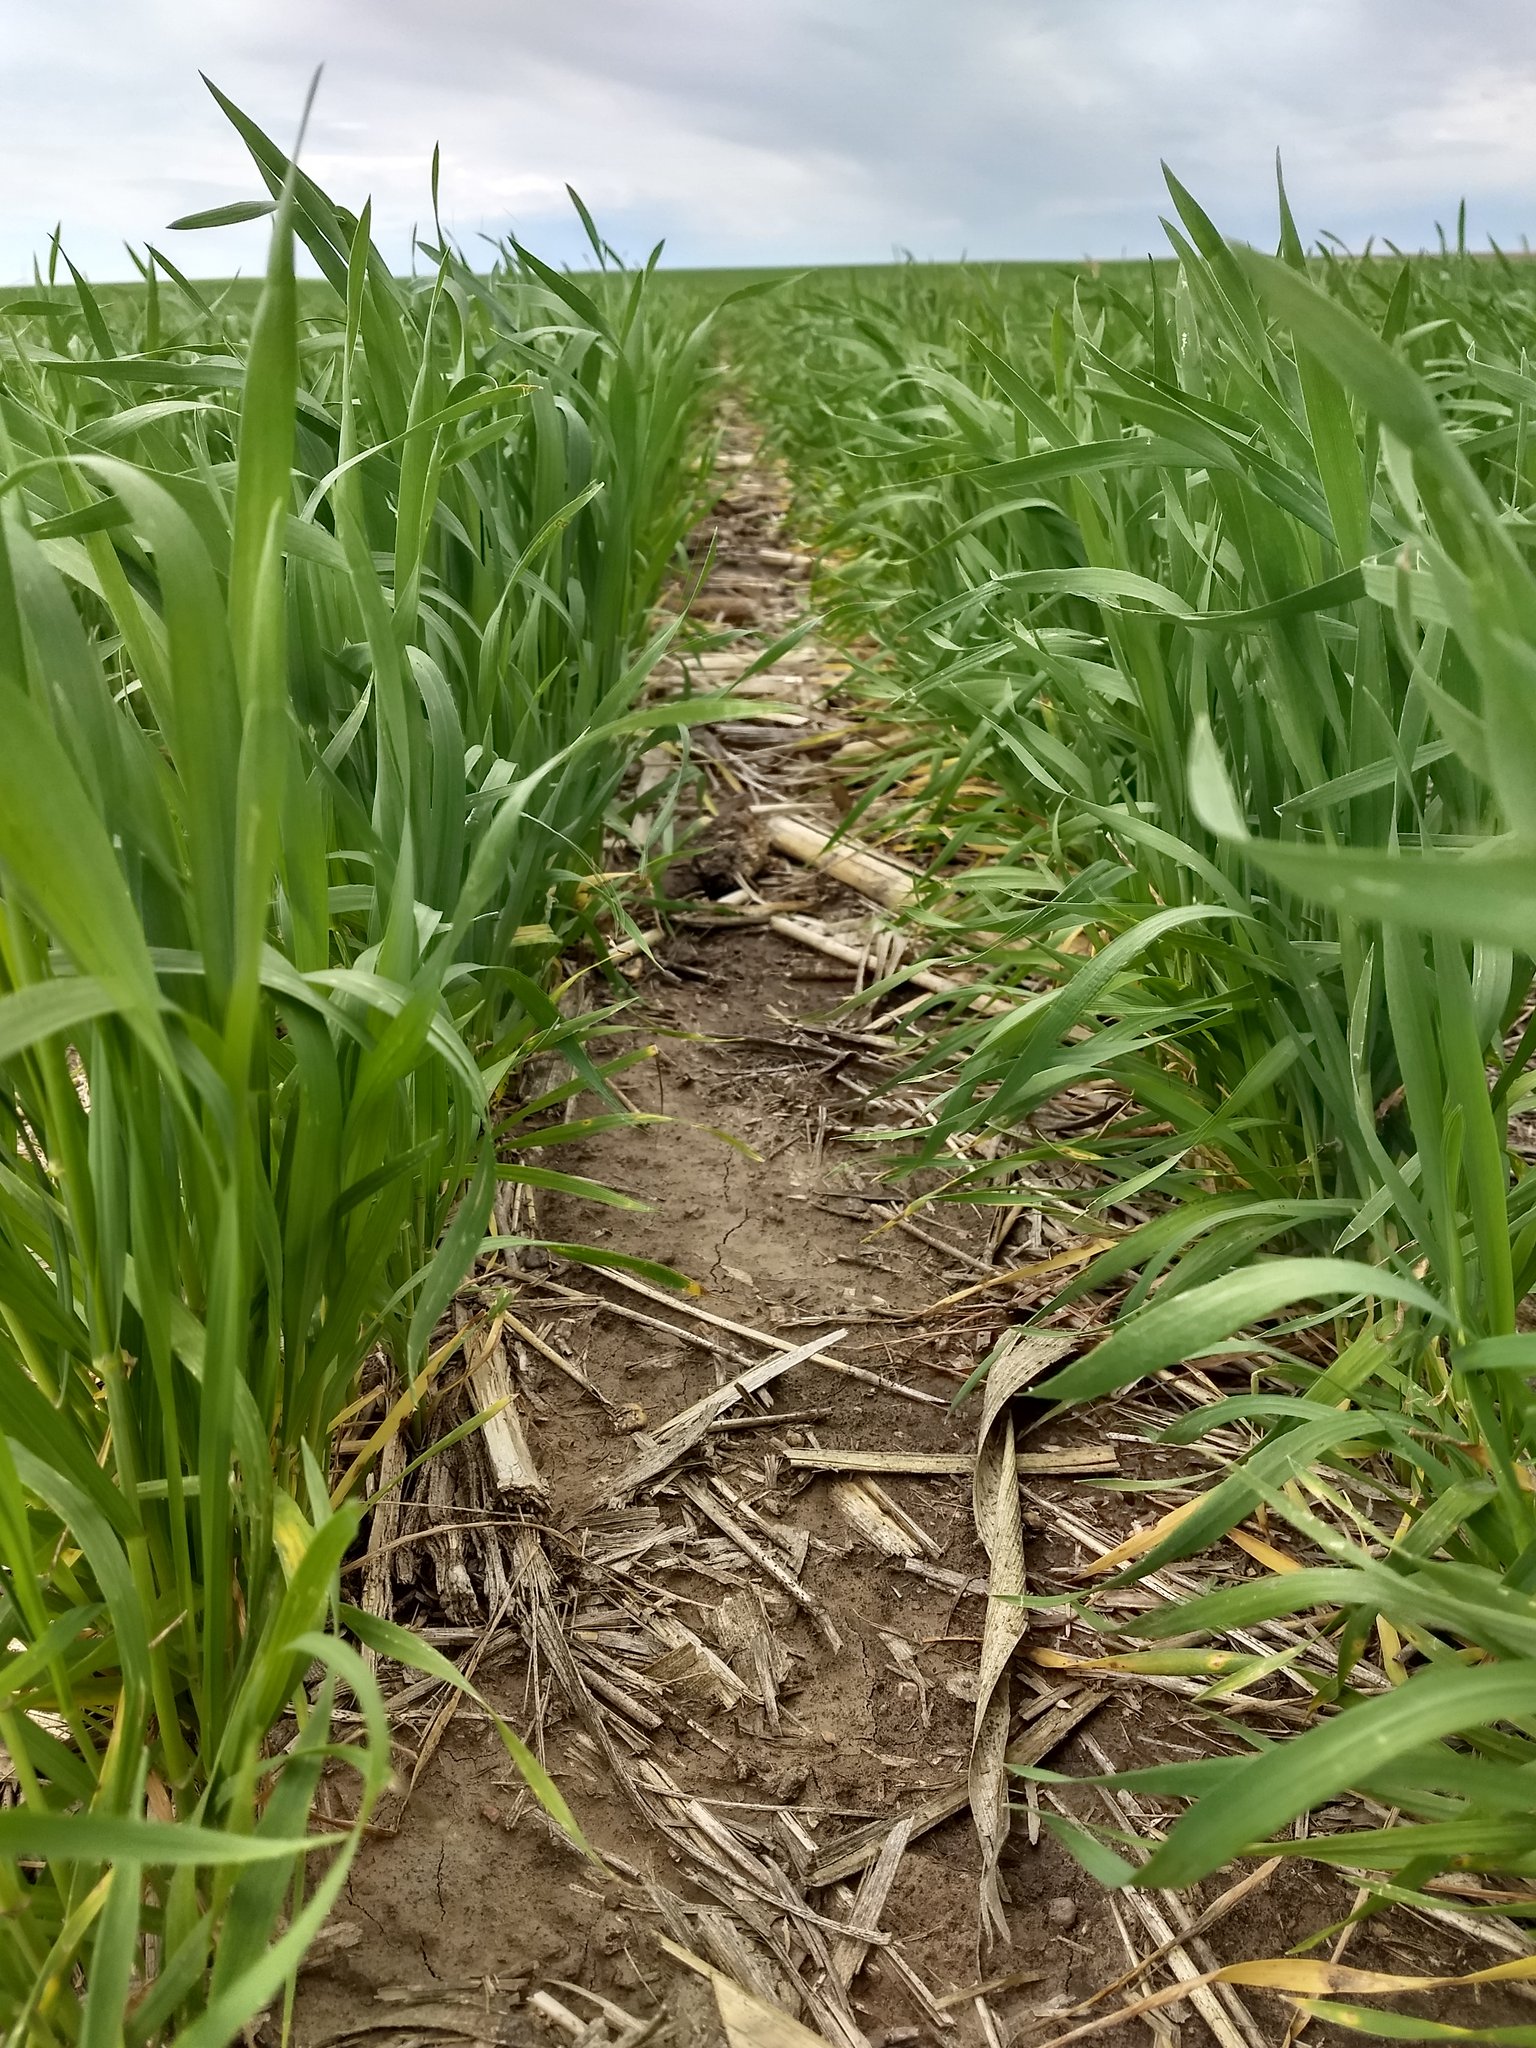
(771, 132)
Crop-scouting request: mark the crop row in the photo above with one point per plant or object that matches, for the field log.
(1204, 599)
(324, 627)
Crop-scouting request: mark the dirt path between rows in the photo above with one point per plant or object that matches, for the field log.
(753, 1671)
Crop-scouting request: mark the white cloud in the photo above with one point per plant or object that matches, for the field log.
(772, 130)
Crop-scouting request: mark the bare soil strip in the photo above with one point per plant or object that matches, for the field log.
(740, 1569)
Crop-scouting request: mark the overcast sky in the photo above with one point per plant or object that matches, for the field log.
(773, 131)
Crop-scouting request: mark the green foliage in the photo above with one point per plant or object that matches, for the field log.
(324, 626)
(1208, 604)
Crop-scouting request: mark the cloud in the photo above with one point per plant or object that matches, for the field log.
(773, 131)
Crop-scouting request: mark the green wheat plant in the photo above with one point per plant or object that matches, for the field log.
(1208, 606)
(324, 630)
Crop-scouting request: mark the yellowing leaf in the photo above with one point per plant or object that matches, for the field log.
(1142, 1540)
(290, 1532)
(1299, 1977)
(1391, 1650)
(1229, 1664)
(1264, 1553)
(1077, 1256)
(1309, 1977)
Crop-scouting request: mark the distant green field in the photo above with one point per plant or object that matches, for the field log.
(708, 285)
